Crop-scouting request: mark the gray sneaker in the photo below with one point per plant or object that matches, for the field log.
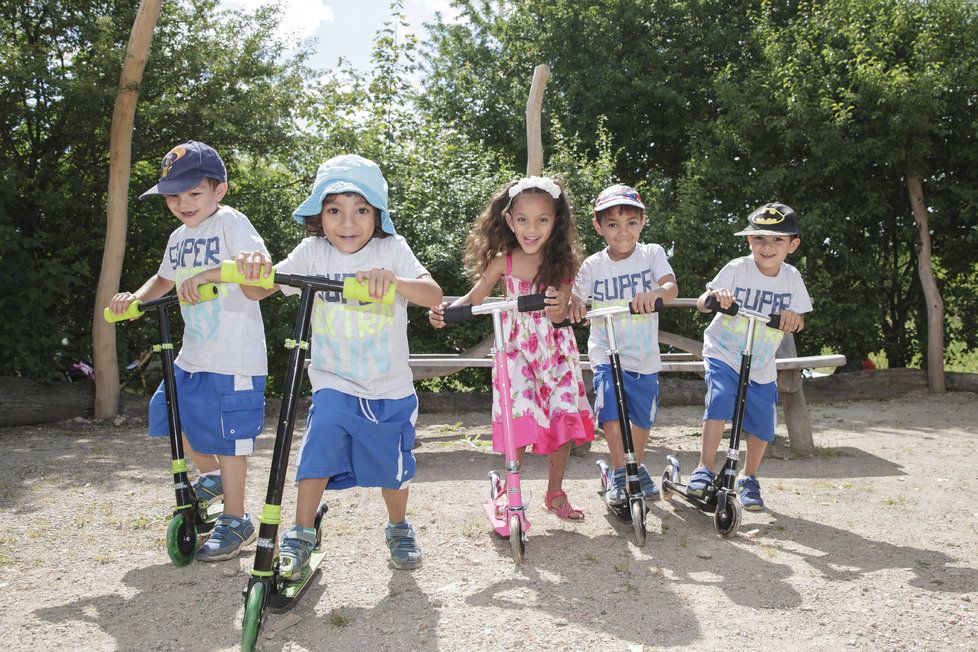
(616, 494)
(405, 553)
(293, 552)
(649, 490)
(209, 489)
(229, 535)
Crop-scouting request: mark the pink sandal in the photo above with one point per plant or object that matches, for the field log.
(565, 511)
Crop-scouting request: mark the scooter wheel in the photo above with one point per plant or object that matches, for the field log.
(727, 521)
(638, 521)
(254, 606)
(516, 538)
(181, 540)
(320, 513)
(665, 492)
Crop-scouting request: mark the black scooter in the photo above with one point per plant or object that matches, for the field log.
(267, 588)
(191, 516)
(720, 497)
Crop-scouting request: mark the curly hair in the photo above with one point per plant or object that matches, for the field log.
(491, 236)
(314, 223)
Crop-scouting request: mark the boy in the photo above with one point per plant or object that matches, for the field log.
(361, 424)
(626, 271)
(762, 282)
(221, 368)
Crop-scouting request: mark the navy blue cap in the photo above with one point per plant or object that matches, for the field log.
(185, 166)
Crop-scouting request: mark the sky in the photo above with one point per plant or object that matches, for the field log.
(345, 28)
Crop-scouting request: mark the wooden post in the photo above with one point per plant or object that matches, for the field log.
(932, 295)
(534, 108)
(120, 159)
(793, 402)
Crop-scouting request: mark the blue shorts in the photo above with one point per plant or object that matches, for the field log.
(220, 414)
(721, 394)
(356, 442)
(641, 396)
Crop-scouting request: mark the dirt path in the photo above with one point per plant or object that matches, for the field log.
(872, 544)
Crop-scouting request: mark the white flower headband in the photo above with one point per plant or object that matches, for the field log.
(543, 183)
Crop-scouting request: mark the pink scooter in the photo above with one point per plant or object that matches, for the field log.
(514, 524)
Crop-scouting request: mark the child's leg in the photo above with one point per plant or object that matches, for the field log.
(712, 434)
(612, 435)
(205, 463)
(396, 501)
(557, 465)
(310, 496)
(755, 453)
(234, 470)
(640, 438)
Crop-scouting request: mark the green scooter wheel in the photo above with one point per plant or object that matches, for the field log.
(254, 605)
(181, 540)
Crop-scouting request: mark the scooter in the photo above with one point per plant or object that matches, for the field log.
(267, 588)
(513, 523)
(720, 497)
(634, 508)
(191, 516)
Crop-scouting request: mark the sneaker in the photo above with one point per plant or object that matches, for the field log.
(749, 492)
(209, 489)
(698, 482)
(405, 553)
(229, 535)
(649, 490)
(293, 552)
(616, 493)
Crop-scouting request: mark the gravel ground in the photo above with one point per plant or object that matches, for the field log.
(871, 544)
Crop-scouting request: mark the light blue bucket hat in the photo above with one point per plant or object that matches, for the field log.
(348, 173)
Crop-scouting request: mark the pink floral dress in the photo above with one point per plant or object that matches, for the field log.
(550, 405)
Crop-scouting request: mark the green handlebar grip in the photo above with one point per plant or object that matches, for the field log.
(207, 292)
(358, 291)
(132, 311)
(230, 274)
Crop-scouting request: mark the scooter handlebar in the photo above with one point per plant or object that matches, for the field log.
(711, 303)
(466, 311)
(531, 302)
(458, 313)
(349, 287)
(136, 309)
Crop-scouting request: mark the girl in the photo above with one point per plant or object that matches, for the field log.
(527, 237)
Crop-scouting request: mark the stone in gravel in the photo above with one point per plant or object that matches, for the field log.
(704, 554)
(561, 622)
(286, 621)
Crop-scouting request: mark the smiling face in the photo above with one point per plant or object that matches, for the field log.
(531, 217)
(620, 226)
(770, 251)
(198, 203)
(349, 222)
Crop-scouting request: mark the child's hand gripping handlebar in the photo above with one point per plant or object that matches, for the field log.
(713, 304)
(136, 309)
(527, 303)
(349, 287)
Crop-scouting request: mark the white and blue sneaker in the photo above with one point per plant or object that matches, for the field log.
(229, 536)
(649, 490)
(405, 553)
(749, 492)
(294, 550)
(616, 493)
(209, 489)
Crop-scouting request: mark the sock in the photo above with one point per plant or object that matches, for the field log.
(214, 474)
(309, 530)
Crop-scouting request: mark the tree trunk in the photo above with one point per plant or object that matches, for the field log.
(534, 107)
(935, 306)
(120, 158)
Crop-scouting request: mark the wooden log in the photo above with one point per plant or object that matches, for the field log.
(793, 401)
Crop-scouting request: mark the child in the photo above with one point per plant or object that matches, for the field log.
(220, 371)
(764, 283)
(527, 238)
(626, 271)
(361, 424)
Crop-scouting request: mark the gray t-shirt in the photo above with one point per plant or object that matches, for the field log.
(612, 283)
(725, 337)
(357, 348)
(226, 335)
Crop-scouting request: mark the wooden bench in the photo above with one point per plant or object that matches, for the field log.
(789, 365)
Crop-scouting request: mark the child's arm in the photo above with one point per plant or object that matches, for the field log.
(154, 288)
(423, 291)
(253, 265)
(482, 289)
(723, 295)
(644, 302)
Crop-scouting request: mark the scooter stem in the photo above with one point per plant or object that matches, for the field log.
(514, 495)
